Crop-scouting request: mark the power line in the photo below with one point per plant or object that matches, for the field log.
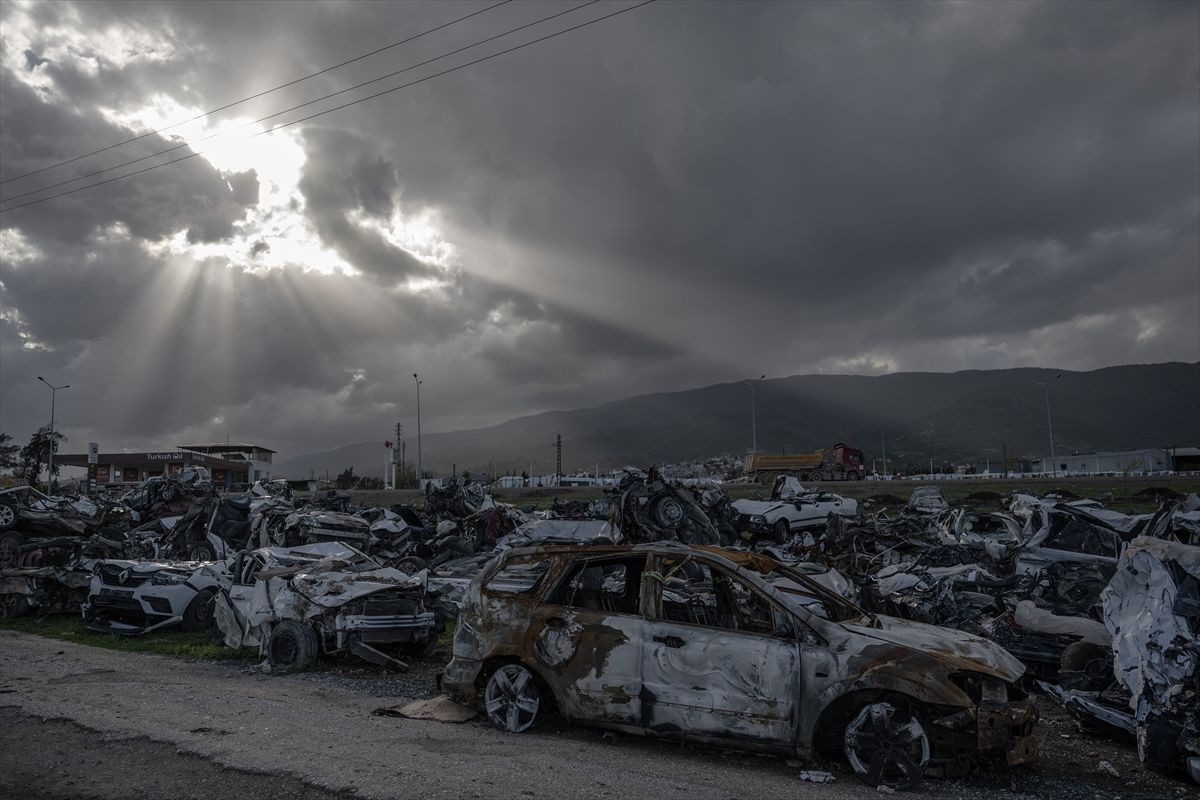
(255, 96)
(182, 145)
(344, 105)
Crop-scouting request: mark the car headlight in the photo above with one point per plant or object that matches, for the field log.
(168, 578)
(758, 519)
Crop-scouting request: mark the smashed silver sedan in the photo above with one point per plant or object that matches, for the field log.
(734, 649)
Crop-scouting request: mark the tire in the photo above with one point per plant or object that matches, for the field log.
(198, 616)
(886, 746)
(13, 606)
(8, 517)
(10, 540)
(1090, 663)
(512, 699)
(292, 647)
(411, 565)
(853, 476)
(201, 552)
(782, 531)
(168, 492)
(815, 477)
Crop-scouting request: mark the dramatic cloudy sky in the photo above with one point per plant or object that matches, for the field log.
(683, 194)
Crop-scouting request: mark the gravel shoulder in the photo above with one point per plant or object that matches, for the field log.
(144, 726)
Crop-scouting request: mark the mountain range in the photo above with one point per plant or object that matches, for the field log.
(952, 417)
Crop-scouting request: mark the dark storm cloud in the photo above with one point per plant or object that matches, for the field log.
(684, 194)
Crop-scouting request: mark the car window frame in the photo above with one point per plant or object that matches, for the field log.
(778, 608)
(566, 568)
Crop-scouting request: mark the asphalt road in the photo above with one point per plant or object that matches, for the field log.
(82, 722)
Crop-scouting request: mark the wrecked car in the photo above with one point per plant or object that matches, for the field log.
(644, 507)
(295, 604)
(1066, 533)
(996, 534)
(927, 500)
(45, 576)
(781, 518)
(24, 510)
(618, 637)
(137, 597)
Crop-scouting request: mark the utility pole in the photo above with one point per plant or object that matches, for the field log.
(1049, 428)
(50, 447)
(883, 445)
(558, 463)
(753, 414)
(404, 463)
(419, 467)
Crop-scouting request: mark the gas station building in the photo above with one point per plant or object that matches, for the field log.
(232, 466)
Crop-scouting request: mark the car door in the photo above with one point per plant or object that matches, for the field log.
(242, 606)
(719, 658)
(587, 637)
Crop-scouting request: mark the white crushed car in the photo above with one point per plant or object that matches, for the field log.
(136, 597)
(788, 513)
(296, 603)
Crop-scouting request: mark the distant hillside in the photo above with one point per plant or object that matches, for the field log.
(955, 416)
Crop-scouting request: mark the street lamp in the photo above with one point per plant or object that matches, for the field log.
(753, 418)
(419, 473)
(50, 456)
(1049, 426)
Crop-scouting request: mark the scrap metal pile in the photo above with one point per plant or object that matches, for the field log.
(1103, 608)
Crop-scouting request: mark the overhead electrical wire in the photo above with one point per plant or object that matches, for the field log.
(344, 105)
(218, 134)
(256, 96)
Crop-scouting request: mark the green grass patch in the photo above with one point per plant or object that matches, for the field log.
(68, 628)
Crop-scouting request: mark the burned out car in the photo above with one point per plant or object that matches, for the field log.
(671, 640)
(297, 603)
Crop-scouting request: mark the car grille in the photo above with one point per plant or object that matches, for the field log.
(111, 575)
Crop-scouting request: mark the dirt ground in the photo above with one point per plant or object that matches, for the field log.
(82, 722)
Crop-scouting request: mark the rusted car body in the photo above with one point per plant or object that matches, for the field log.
(733, 649)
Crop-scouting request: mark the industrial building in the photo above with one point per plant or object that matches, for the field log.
(1146, 461)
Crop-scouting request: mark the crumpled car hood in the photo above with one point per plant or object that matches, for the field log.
(332, 589)
(962, 650)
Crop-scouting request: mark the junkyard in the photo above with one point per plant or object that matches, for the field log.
(1031, 644)
(575, 399)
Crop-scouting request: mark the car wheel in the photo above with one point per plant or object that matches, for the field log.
(292, 646)
(8, 517)
(13, 606)
(1091, 665)
(814, 476)
(411, 565)
(884, 749)
(10, 540)
(854, 476)
(198, 615)
(782, 530)
(512, 699)
(201, 552)
(168, 492)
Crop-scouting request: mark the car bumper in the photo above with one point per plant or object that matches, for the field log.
(459, 678)
(119, 611)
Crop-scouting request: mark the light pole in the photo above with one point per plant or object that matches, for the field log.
(753, 418)
(418, 382)
(50, 456)
(1049, 427)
